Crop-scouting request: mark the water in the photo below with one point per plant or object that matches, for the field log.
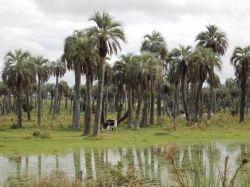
(197, 161)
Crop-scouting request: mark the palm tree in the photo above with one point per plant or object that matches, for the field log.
(43, 72)
(182, 57)
(59, 69)
(149, 77)
(18, 73)
(216, 40)
(203, 61)
(90, 59)
(5, 92)
(108, 34)
(126, 74)
(156, 44)
(51, 90)
(73, 57)
(63, 89)
(173, 78)
(241, 61)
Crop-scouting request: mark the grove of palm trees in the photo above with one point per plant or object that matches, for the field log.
(158, 95)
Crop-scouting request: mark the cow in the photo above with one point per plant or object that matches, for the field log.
(110, 124)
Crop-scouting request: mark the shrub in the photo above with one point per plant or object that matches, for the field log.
(14, 126)
(36, 133)
(45, 134)
(42, 134)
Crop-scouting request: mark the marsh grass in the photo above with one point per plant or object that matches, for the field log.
(115, 177)
(189, 180)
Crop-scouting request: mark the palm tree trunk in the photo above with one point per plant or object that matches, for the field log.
(59, 106)
(76, 110)
(66, 102)
(99, 97)
(152, 104)
(55, 106)
(144, 119)
(138, 110)
(243, 94)
(51, 105)
(130, 107)
(211, 102)
(19, 107)
(39, 102)
(197, 102)
(175, 103)
(71, 106)
(28, 105)
(88, 107)
(9, 103)
(158, 106)
(183, 83)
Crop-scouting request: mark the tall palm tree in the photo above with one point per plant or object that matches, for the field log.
(203, 61)
(241, 61)
(43, 72)
(90, 59)
(73, 57)
(156, 44)
(59, 69)
(216, 40)
(18, 73)
(108, 34)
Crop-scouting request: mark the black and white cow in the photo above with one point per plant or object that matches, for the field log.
(110, 124)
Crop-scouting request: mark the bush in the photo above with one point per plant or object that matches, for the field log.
(45, 134)
(14, 126)
(42, 134)
(36, 133)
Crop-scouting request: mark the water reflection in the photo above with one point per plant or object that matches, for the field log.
(199, 160)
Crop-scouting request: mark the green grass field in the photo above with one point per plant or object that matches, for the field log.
(57, 136)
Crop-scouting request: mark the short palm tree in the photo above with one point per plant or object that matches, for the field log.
(203, 61)
(18, 73)
(43, 72)
(216, 40)
(156, 44)
(107, 34)
(59, 69)
(241, 61)
(182, 57)
(5, 92)
(127, 68)
(149, 77)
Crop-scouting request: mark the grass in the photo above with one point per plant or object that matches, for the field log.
(57, 136)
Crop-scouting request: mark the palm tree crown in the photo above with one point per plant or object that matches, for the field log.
(107, 33)
(18, 69)
(213, 38)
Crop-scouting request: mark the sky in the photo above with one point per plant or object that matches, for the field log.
(40, 26)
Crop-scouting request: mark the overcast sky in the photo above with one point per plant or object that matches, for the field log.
(40, 26)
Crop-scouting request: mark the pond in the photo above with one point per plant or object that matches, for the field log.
(197, 162)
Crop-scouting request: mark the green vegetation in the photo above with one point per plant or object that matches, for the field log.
(56, 135)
